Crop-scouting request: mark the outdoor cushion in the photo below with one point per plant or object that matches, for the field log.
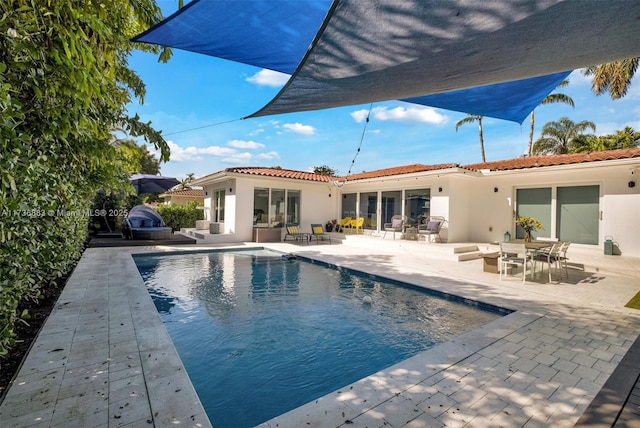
(432, 226)
(135, 222)
(396, 223)
(293, 230)
(317, 230)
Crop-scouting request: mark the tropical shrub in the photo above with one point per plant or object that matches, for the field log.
(178, 216)
(64, 85)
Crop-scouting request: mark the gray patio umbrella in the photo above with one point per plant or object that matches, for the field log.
(147, 183)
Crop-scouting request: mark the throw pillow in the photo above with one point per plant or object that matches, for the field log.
(433, 226)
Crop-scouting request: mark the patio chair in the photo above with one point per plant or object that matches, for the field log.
(293, 232)
(549, 256)
(562, 256)
(343, 223)
(317, 233)
(514, 254)
(396, 225)
(357, 224)
(431, 228)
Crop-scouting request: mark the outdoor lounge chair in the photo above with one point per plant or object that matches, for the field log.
(396, 225)
(431, 228)
(293, 232)
(317, 233)
(143, 222)
(514, 254)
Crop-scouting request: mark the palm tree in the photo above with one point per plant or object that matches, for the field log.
(470, 119)
(556, 137)
(186, 183)
(549, 99)
(613, 77)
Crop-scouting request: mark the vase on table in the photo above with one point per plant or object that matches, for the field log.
(527, 236)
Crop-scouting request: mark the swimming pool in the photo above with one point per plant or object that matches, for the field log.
(260, 335)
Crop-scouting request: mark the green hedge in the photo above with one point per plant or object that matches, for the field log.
(179, 216)
(65, 86)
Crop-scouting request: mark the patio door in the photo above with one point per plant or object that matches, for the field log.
(368, 209)
(535, 203)
(391, 205)
(578, 214)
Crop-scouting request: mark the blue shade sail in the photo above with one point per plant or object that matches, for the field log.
(267, 34)
(493, 58)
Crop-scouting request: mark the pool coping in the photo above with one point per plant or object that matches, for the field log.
(69, 378)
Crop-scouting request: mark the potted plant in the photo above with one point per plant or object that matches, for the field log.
(331, 224)
(528, 224)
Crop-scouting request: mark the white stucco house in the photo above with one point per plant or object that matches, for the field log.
(582, 198)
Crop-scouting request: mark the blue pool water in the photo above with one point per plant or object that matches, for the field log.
(260, 335)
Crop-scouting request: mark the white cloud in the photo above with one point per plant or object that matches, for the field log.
(256, 132)
(238, 158)
(298, 128)
(403, 114)
(359, 115)
(266, 77)
(242, 144)
(179, 154)
(268, 155)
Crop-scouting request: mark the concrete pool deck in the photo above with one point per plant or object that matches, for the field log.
(104, 359)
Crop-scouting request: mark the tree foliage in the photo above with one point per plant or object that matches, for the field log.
(325, 170)
(64, 85)
(627, 138)
(549, 99)
(613, 77)
(557, 137)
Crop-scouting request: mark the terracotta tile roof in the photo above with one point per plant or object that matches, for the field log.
(554, 160)
(398, 170)
(184, 192)
(281, 173)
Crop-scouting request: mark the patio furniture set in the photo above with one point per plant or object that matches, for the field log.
(317, 232)
(430, 229)
(527, 254)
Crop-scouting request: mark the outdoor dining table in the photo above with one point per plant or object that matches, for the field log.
(534, 245)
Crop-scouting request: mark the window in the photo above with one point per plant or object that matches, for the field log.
(417, 204)
(368, 209)
(349, 205)
(272, 207)
(218, 206)
(535, 203)
(277, 208)
(577, 216)
(571, 213)
(391, 205)
(261, 207)
(293, 206)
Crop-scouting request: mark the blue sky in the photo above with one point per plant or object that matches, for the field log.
(194, 91)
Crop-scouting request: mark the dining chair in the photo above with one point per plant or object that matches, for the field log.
(550, 256)
(562, 256)
(514, 254)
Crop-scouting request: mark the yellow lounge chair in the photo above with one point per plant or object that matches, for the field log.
(317, 233)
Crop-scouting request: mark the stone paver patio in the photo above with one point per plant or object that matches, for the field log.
(104, 359)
